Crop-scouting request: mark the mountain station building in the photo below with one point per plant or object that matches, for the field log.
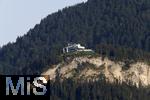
(74, 48)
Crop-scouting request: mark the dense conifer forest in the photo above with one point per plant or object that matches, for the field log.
(100, 90)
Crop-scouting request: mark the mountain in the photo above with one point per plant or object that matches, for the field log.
(89, 68)
(88, 77)
(117, 29)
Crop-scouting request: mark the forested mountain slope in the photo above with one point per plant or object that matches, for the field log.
(119, 29)
(100, 90)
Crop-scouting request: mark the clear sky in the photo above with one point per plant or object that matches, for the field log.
(18, 16)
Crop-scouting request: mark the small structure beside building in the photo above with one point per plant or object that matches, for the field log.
(75, 48)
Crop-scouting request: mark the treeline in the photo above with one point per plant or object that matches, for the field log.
(115, 23)
(100, 90)
(121, 53)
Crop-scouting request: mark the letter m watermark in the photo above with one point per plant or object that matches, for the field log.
(9, 84)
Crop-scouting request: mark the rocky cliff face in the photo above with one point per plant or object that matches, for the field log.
(93, 69)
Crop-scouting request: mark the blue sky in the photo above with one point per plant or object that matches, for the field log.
(18, 16)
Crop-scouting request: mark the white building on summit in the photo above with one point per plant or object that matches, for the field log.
(74, 47)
